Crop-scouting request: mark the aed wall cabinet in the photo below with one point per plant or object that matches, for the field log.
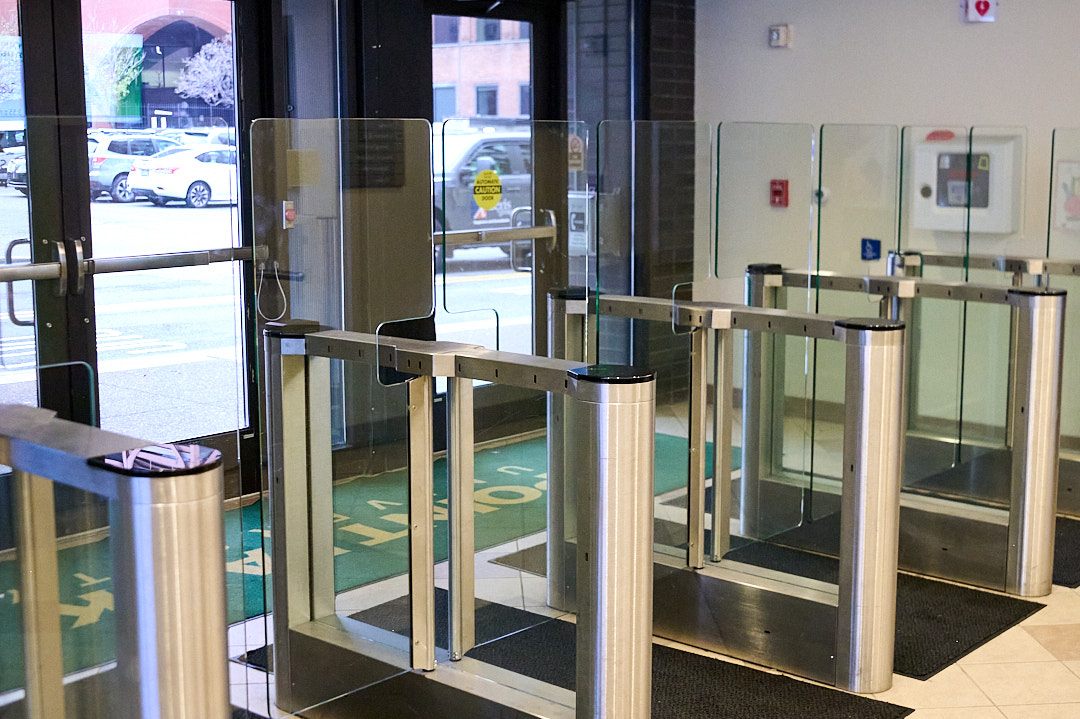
(953, 176)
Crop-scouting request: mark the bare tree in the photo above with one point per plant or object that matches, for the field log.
(113, 64)
(208, 75)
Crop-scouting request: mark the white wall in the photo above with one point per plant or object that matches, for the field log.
(913, 62)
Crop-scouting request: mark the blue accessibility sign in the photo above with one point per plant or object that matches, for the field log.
(871, 249)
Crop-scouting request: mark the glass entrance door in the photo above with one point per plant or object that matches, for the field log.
(122, 296)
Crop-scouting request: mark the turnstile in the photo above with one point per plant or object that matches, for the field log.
(838, 633)
(1007, 545)
(325, 659)
(167, 572)
(1020, 271)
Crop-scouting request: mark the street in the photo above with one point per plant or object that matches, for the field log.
(170, 350)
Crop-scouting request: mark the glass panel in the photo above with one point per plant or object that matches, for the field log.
(656, 199)
(495, 294)
(482, 67)
(858, 205)
(1064, 244)
(765, 190)
(343, 211)
(934, 218)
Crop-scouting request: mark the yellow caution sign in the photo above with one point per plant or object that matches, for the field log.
(487, 190)
(984, 162)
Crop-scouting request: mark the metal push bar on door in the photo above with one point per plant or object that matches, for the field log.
(858, 655)
(1036, 352)
(612, 410)
(168, 572)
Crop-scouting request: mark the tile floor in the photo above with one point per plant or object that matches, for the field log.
(1031, 671)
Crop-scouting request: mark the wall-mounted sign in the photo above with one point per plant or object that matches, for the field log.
(980, 10)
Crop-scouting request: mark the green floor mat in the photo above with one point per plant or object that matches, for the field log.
(370, 540)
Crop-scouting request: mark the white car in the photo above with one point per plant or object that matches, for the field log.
(197, 175)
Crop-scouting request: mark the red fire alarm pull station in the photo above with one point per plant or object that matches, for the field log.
(778, 193)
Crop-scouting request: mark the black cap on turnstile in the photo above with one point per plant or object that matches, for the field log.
(874, 324)
(569, 293)
(765, 268)
(291, 328)
(612, 374)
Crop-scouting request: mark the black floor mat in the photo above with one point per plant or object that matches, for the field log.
(245, 714)
(1067, 553)
(686, 686)
(260, 658)
(936, 622)
(492, 620)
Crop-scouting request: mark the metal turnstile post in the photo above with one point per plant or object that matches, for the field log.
(615, 407)
(566, 340)
(1035, 403)
(870, 498)
(459, 396)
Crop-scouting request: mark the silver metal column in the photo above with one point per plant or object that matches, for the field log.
(421, 524)
(699, 371)
(168, 537)
(566, 340)
(616, 408)
(1036, 418)
(722, 411)
(459, 397)
(757, 400)
(43, 658)
(287, 440)
(870, 505)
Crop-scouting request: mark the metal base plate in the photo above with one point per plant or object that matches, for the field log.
(745, 619)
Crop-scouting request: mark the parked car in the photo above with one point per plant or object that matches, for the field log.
(458, 158)
(16, 173)
(110, 156)
(198, 175)
(201, 135)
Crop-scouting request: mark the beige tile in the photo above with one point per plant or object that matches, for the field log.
(1017, 684)
(949, 688)
(1014, 645)
(1062, 607)
(1061, 640)
(960, 713)
(501, 590)
(534, 590)
(1074, 667)
(1042, 711)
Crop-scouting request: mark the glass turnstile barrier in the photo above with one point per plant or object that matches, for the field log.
(146, 633)
(376, 543)
(344, 240)
(794, 627)
(1024, 262)
(343, 661)
(803, 620)
(985, 519)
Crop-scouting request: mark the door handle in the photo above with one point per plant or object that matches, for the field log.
(9, 257)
